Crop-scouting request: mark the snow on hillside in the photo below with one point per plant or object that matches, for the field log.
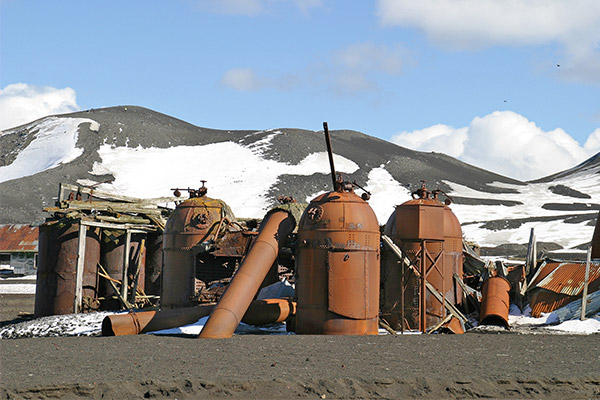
(532, 197)
(55, 143)
(237, 174)
(243, 175)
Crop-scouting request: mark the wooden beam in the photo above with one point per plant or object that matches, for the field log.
(79, 269)
(124, 282)
(585, 283)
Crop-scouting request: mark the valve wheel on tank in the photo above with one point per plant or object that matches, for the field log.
(315, 213)
(202, 220)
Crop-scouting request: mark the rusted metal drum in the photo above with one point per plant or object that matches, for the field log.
(430, 235)
(192, 223)
(112, 255)
(57, 266)
(154, 262)
(495, 302)
(337, 267)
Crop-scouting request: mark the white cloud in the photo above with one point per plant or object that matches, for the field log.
(242, 79)
(506, 143)
(479, 23)
(439, 138)
(21, 103)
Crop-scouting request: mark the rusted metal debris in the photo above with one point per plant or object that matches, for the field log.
(234, 303)
(495, 302)
(18, 238)
(558, 283)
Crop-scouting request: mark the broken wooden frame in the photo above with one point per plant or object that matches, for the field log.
(83, 227)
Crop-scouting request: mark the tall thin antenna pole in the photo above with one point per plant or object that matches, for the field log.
(330, 153)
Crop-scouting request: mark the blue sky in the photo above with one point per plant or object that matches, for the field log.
(477, 79)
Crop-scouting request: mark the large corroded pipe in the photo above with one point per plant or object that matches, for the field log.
(260, 312)
(495, 302)
(134, 323)
(226, 316)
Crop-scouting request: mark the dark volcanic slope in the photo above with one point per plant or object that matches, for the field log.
(21, 200)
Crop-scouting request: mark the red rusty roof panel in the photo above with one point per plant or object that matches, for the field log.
(566, 277)
(19, 238)
(544, 301)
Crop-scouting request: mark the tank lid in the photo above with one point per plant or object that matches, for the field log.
(200, 192)
(424, 194)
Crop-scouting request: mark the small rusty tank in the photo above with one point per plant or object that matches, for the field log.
(57, 266)
(193, 224)
(429, 233)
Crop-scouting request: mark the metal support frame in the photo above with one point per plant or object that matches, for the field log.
(410, 264)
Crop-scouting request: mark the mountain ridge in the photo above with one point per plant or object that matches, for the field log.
(249, 169)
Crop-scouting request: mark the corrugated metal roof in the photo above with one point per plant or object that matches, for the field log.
(19, 238)
(566, 277)
(543, 301)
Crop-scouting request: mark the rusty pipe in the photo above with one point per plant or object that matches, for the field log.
(260, 312)
(234, 303)
(495, 302)
(134, 323)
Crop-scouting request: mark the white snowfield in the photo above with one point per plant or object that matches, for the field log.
(55, 143)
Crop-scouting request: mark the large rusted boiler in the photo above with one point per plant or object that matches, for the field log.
(429, 234)
(192, 227)
(337, 264)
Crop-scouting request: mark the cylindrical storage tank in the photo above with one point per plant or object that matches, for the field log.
(193, 221)
(495, 302)
(337, 267)
(112, 257)
(422, 222)
(57, 267)
(154, 261)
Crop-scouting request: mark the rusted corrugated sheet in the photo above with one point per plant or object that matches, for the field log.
(567, 277)
(18, 238)
(544, 301)
(560, 283)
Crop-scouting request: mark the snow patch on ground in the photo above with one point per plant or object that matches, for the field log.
(55, 143)
(17, 288)
(89, 324)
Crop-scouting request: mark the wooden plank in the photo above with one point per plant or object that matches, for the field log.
(111, 281)
(585, 283)
(124, 282)
(79, 269)
(65, 187)
(134, 228)
(110, 206)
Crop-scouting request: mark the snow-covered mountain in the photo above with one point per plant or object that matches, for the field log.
(141, 153)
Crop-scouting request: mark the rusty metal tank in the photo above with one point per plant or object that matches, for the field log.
(430, 235)
(337, 266)
(193, 222)
(57, 266)
(112, 255)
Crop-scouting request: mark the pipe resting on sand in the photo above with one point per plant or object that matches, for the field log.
(260, 312)
(234, 303)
